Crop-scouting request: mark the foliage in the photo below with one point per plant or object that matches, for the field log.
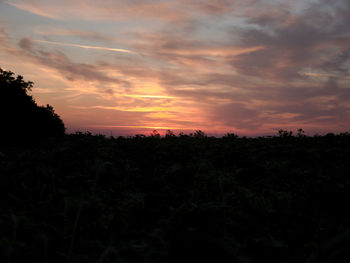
(198, 134)
(284, 133)
(22, 120)
(86, 198)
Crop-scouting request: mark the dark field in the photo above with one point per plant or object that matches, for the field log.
(85, 198)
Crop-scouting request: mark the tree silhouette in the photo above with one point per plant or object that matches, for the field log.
(21, 118)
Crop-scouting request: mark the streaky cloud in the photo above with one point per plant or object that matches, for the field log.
(133, 109)
(34, 9)
(143, 127)
(85, 46)
(150, 96)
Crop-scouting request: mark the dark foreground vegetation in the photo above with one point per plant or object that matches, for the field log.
(20, 116)
(85, 198)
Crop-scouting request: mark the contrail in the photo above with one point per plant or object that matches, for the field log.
(85, 46)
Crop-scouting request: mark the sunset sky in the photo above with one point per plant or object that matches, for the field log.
(124, 67)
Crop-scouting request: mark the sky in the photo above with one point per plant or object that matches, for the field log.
(249, 67)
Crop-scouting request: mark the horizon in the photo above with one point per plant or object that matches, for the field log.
(124, 68)
(179, 133)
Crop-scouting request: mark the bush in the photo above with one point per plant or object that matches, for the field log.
(21, 118)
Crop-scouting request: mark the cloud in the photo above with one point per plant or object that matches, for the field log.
(267, 84)
(2, 34)
(340, 63)
(78, 33)
(106, 11)
(84, 46)
(290, 106)
(35, 8)
(62, 63)
(211, 7)
(247, 65)
(142, 127)
(26, 44)
(293, 41)
(147, 10)
(237, 115)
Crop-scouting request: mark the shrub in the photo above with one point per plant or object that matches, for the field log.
(21, 118)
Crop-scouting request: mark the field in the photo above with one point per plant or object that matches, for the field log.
(89, 198)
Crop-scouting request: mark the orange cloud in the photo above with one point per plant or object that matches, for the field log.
(108, 11)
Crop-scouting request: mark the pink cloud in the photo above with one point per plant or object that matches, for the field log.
(106, 11)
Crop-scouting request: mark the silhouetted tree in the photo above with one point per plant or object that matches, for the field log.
(284, 133)
(301, 133)
(169, 134)
(199, 134)
(21, 118)
(155, 134)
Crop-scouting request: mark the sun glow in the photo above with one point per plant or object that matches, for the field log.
(149, 96)
(141, 127)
